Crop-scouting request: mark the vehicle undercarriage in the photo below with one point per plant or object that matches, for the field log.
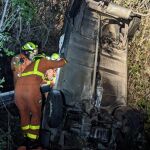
(87, 109)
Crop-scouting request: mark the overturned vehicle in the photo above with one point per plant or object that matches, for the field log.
(87, 109)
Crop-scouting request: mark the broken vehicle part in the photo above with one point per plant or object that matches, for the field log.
(93, 84)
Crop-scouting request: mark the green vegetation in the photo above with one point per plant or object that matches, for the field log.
(26, 8)
(139, 61)
(14, 13)
(4, 39)
(29, 20)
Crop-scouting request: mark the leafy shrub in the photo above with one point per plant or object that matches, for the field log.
(26, 8)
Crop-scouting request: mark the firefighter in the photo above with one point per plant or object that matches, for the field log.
(28, 98)
(51, 73)
(21, 61)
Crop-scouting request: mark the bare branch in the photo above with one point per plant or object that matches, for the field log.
(4, 12)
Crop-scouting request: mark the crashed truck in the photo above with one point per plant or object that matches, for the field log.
(87, 109)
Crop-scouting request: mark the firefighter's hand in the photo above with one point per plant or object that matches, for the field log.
(62, 56)
(65, 60)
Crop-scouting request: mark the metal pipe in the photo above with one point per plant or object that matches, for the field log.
(113, 10)
(6, 94)
(119, 11)
(96, 59)
(141, 14)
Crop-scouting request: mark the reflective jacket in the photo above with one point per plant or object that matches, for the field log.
(35, 71)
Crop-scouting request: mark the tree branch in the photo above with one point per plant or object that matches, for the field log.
(4, 12)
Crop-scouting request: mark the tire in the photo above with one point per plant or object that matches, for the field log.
(131, 134)
(45, 137)
(53, 110)
(133, 27)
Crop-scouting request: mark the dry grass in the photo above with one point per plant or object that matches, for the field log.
(139, 56)
(139, 62)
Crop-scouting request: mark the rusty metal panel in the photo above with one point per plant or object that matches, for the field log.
(75, 79)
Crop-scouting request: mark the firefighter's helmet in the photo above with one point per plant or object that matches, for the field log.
(55, 56)
(29, 46)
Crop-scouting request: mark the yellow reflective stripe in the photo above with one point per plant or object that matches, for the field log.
(39, 74)
(36, 65)
(35, 71)
(27, 73)
(34, 127)
(32, 136)
(25, 127)
(54, 79)
(32, 72)
(48, 82)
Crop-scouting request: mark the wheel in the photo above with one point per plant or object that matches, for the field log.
(131, 132)
(53, 110)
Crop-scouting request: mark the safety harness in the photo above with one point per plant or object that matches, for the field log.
(38, 73)
(35, 71)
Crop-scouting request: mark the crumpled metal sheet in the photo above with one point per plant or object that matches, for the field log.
(75, 79)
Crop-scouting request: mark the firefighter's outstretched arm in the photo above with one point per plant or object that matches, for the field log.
(51, 64)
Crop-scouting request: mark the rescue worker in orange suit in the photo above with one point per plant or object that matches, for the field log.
(28, 98)
(51, 73)
(21, 61)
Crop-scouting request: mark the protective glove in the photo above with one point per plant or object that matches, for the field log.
(65, 61)
(62, 56)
